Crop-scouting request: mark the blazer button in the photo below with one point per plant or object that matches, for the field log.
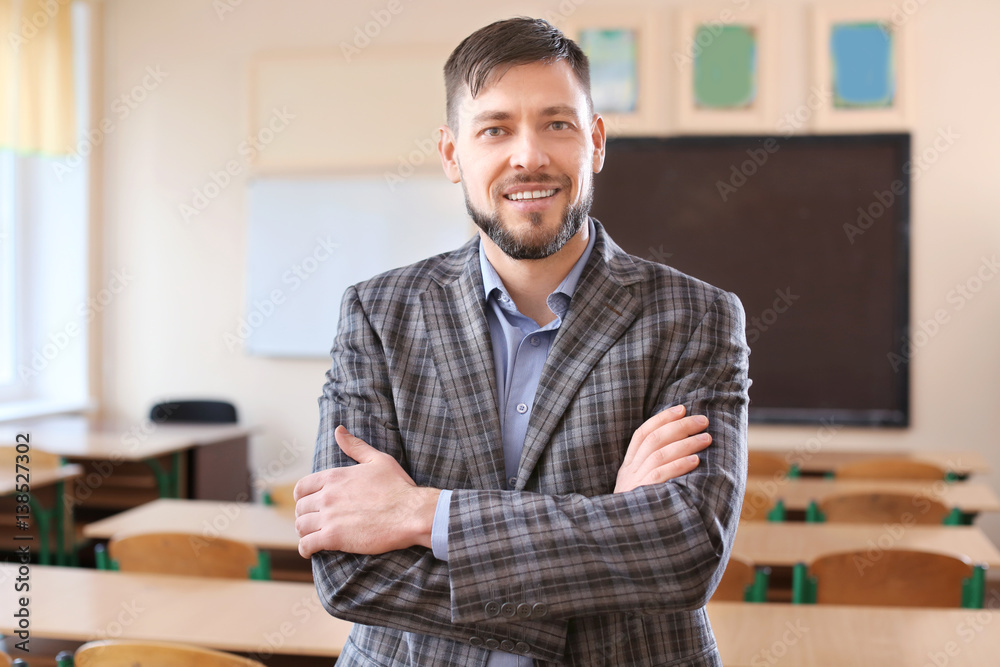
(521, 647)
(492, 644)
(538, 610)
(508, 609)
(507, 645)
(476, 641)
(492, 608)
(524, 610)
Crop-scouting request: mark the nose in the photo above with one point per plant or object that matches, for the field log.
(529, 152)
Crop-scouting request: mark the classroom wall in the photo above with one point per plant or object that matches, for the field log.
(164, 334)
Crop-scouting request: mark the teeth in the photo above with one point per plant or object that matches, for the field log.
(536, 194)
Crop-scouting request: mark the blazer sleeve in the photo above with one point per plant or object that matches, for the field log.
(406, 589)
(655, 549)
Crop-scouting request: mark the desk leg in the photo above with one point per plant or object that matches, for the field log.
(44, 522)
(167, 481)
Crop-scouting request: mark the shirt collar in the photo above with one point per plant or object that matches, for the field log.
(492, 281)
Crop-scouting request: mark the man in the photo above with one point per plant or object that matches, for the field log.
(528, 490)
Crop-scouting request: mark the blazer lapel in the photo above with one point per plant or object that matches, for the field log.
(600, 311)
(460, 339)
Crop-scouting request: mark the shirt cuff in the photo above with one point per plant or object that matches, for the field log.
(439, 529)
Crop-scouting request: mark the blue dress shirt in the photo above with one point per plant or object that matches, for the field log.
(520, 347)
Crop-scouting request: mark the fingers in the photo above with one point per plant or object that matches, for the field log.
(356, 448)
(666, 434)
(663, 458)
(656, 421)
(307, 485)
(671, 470)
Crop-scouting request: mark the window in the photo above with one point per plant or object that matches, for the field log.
(44, 238)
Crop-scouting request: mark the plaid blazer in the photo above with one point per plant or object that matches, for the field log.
(558, 568)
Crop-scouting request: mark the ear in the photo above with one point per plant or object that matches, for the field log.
(597, 135)
(447, 147)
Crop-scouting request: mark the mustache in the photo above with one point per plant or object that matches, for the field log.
(543, 179)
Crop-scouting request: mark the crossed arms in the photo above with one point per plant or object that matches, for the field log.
(656, 544)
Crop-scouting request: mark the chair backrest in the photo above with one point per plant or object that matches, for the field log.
(889, 468)
(875, 507)
(282, 495)
(123, 653)
(202, 412)
(763, 464)
(184, 553)
(739, 574)
(5, 659)
(38, 458)
(756, 506)
(892, 577)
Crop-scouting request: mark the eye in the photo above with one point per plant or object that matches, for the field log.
(560, 125)
(492, 132)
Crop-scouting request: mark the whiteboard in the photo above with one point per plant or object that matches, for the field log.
(309, 240)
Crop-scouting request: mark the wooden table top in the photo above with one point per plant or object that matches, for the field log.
(828, 458)
(785, 544)
(798, 493)
(226, 614)
(79, 438)
(750, 635)
(233, 615)
(37, 477)
(264, 526)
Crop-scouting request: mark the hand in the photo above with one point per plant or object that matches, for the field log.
(370, 508)
(663, 448)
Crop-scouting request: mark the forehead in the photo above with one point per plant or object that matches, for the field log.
(527, 88)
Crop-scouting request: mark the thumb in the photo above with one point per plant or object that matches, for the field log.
(356, 448)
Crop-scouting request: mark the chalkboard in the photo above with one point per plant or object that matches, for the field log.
(811, 232)
(309, 240)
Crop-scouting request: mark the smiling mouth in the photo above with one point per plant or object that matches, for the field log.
(531, 194)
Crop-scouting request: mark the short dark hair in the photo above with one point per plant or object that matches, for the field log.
(488, 53)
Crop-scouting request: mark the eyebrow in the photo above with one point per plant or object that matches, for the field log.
(555, 110)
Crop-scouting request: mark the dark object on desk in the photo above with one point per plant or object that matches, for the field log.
(218, 472)
(203, 412)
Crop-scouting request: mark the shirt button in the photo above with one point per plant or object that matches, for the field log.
(492, 644)
(512, 482)
(508, 609)
(492, 608)
(521, 647)
(522, 408)
(535, 342)
(476, 641)
(539, 610)
(507, 645)
(524, 610)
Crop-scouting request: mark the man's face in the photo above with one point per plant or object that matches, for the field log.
(525, 151)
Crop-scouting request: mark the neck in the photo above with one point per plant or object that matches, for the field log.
(530, 281)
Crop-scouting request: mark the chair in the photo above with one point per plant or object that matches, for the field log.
(742, 582)
(197, 411)
(189, 554)
(123, 653)
(758, 506)
(763, 464)
(890, 577)
(281, 495)
(878, 507)
(890, 468)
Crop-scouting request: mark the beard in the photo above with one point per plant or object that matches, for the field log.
(523, 247)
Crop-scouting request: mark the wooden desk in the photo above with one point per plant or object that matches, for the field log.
(219, 450)
(827, 459)
(970, 497)
(785, 544)
(57, 519)
(264, 526)
(750, 635)
(256, 617)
